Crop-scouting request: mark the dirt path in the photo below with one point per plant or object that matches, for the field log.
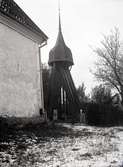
(64, 145)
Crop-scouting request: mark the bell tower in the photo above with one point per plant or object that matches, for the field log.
(62, 92)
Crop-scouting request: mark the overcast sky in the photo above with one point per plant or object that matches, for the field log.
(83, 23)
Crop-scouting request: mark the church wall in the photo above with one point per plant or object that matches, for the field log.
(19, 74)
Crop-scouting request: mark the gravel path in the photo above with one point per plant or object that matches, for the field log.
(63, 145)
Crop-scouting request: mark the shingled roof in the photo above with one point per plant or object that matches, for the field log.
(13, 11)
(60, 52)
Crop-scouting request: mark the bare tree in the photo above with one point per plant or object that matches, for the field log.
(109, 67)
(101, 94)
(81, 93)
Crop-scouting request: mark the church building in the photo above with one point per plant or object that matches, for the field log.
(21, 89)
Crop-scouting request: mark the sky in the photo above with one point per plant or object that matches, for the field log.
(83, 24)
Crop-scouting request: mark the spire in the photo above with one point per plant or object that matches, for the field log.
(59, 17)
(60, 38)
(60, 52)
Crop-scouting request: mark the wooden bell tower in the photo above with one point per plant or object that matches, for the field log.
(62, 92)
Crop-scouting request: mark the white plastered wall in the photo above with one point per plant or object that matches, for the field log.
(19, 74)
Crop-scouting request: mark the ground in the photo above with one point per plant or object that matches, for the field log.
(62, 145)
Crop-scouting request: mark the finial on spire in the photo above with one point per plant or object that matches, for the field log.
(59, 6)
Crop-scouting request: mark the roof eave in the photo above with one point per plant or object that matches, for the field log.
(18, 15)
(36, 37)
